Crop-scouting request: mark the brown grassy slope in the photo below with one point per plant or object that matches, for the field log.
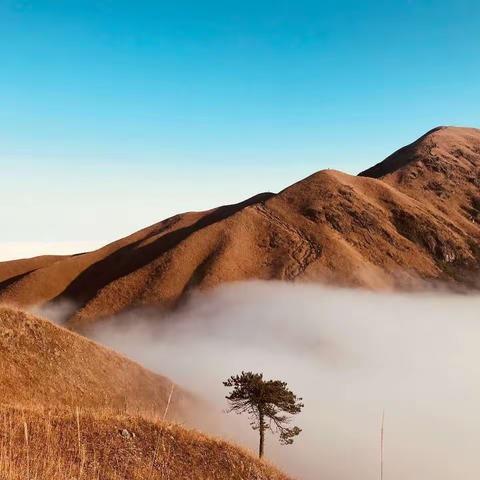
(442, 168)
(42, 364)
(64, 446)
(412, 218)
(13, 270)
(79, 278)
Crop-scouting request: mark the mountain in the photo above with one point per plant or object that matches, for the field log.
(44, 365)
(409, 222)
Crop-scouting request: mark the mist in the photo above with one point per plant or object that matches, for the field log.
(351, 355)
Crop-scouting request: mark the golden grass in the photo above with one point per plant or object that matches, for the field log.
(37, 444)
(44, 364)
(46, 371)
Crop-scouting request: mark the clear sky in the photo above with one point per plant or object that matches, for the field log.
(115, 114)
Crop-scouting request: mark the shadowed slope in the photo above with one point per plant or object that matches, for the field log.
(17, 268)
(136, 255)
(409, 220)
(78, 278)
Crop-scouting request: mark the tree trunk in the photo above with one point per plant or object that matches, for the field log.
(262, 436)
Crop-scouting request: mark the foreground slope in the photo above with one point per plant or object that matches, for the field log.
(45, 365)
(410, 221)
(94, 446)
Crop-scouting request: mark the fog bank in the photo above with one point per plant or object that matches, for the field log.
(350, 355)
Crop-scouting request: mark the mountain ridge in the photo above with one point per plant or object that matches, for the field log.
(408, 222)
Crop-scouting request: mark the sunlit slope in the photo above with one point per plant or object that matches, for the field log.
(42, 364)
(63, 446)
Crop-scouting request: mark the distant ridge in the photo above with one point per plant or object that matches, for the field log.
(409, 222)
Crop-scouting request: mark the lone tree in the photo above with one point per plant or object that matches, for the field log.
(267, 402)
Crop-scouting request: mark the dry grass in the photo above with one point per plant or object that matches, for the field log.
(54, 423)
(67, 445)
(44, 364)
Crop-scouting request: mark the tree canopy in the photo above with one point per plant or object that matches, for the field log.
(269, 404)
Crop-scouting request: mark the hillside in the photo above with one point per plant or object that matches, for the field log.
(45, 365)
(64, 446)
(409, 222)
(441, 168)
(70, 408)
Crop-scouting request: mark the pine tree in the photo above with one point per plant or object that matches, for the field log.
(268, 403)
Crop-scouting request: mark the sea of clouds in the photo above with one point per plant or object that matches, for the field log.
(351, 355)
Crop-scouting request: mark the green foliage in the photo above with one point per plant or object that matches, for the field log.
(269, 404)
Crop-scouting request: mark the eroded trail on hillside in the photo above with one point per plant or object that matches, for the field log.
(302, 252)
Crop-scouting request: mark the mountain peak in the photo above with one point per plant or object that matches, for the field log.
(447, 145)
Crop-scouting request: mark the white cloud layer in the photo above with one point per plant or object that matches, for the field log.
(350, 355)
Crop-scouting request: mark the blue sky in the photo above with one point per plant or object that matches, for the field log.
(115, 114)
